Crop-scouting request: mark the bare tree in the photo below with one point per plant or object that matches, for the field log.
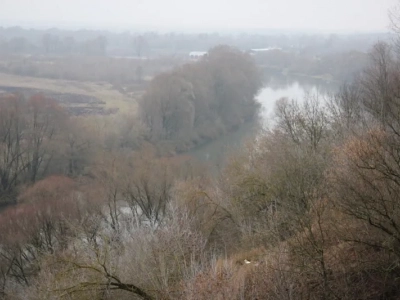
(303, 123)
(366, 185)
(45, 120)
(12, 127)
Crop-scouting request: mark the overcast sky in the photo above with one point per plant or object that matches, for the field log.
(331, 15)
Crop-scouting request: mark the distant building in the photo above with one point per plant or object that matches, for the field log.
(195, 55)
(260, 50)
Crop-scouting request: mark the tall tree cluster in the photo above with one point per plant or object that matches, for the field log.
(29, 131)
(201, 101)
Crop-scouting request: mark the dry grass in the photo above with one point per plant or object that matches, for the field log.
(101, 90)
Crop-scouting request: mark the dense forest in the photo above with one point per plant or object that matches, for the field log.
(114, 207)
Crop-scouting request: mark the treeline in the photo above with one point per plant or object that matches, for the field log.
(340, 66)
(151, 44)
(118, 71)
(53, 44)
(308, 210)
(131, 58)
(201, 101)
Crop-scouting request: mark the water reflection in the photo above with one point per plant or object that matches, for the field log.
(269, 95)
(278, 85)
(277, 80)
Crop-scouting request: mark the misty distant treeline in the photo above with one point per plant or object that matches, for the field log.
(91, 42)
(132, 58)
(338, 66)
(88, 68)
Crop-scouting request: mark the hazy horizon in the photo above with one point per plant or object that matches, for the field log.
(218, 15)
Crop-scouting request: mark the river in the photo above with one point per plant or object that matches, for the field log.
(276, 87)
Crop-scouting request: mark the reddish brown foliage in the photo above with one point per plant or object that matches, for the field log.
(48, 201)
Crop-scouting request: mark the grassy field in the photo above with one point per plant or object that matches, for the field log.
(103, 91)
